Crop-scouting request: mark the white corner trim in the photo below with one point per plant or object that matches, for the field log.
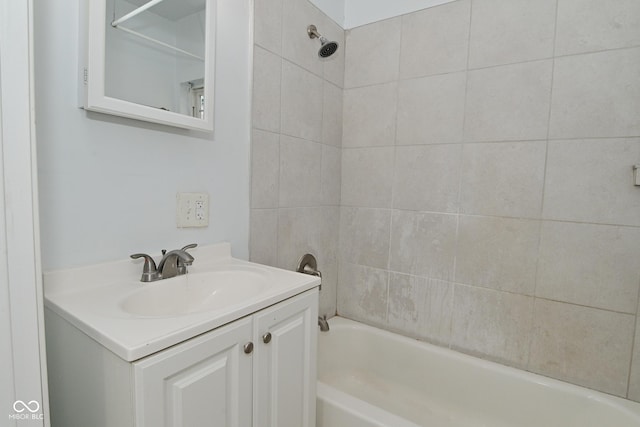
(22, 333)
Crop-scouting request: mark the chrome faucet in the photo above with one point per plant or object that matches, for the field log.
(173, 263)
(323, 323)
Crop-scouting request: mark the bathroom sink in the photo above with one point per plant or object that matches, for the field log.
(109, 303)
(193, 293)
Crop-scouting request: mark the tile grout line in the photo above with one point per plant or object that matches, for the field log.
(460, 175)
(547, 58)
(506, 64)
(544, 188)
(506, 217)
(280, 134)
(393, 165)
(428, 277)
(634, 342)
(492, 142)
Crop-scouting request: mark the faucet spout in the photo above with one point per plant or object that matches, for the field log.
(174, 263)
(323, 323)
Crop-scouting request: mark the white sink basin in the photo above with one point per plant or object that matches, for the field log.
(134, 319)
(194, 293)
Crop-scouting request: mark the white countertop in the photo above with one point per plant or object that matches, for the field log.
(90, 299)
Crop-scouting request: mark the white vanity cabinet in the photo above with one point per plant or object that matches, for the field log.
(284, 367)
(204, 381)
(257, 371)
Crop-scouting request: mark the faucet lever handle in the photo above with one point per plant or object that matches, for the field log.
(191, 246)
(149, 269)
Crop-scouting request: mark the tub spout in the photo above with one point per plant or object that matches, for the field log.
(323, 323)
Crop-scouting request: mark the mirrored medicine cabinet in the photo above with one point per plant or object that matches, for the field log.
(150, 60)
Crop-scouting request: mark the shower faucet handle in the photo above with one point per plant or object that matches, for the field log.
(307, 264)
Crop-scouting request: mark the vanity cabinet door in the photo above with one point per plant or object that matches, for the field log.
(285, 363)
(203, 382)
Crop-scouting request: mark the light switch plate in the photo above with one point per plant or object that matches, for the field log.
(192, 210)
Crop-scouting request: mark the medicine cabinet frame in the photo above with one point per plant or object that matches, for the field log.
(92, 72)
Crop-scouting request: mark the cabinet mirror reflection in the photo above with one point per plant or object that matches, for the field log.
(155, 56)
(149, 60)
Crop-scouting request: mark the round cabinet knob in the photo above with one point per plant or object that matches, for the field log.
(248, 348)
(266, 338)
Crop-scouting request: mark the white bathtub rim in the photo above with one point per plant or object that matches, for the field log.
(372, 414)
(626, 406)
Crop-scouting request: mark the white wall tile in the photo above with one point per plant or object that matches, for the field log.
(268, 24)
(302, 165)
(364, 236)
(592, 265)
(510, 31)
(592, 25)
(367, 176)
(634, 378)
(596, 95)
(328, 235)
(582, 345)
(265, 167)
(431, 109)
(373, 53)
(427, 178)
(300, 232)
(592, 180)
(327, 256)
(267, 70)
(311, 230)
(593, 95)
(330, 175)
(328, 293)
(423, 244)
(420, 307)
(300, 172)
(504, 179)
(264, 236)
(370, 116)
(297, 47)
(334, 65)
(498, 253)
(491, 324)
(509, 102)
(435, 40)
(332, 115)
(362, 294)
(302, 102)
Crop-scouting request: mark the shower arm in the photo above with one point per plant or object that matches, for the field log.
(313, 33)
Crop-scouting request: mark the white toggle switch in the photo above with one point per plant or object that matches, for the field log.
(192, 210)
(636, 175)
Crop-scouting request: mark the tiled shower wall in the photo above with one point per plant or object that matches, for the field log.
(296, 141)
(487, 192)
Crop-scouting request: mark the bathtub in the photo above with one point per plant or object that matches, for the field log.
(368, 377)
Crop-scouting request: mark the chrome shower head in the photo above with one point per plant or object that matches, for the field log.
(328, 48)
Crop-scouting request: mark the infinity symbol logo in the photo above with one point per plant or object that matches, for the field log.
(28, 406)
